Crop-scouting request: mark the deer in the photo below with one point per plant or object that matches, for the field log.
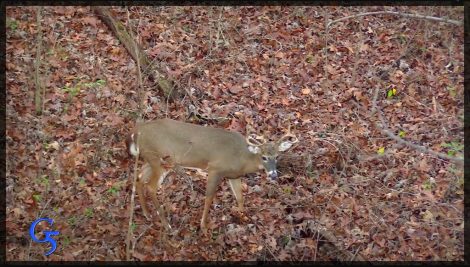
(165, 143)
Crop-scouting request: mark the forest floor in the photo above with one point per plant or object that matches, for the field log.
(375, 102)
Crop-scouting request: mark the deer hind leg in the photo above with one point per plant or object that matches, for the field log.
(213, 180)
(236, 186)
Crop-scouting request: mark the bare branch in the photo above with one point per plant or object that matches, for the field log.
(131, 211)
(325, 51)
(134, 181)
(417, 16)
(37, 93)
(384, 129)
(423, 149)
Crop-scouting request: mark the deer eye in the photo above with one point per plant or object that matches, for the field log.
(264, 158)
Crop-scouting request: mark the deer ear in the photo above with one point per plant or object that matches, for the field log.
(284, 146)
(254, 149)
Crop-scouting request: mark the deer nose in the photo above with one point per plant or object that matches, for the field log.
(272, 174)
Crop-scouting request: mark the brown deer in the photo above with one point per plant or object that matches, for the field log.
(164, 143)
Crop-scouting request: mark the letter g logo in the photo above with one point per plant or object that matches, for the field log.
(48, 234)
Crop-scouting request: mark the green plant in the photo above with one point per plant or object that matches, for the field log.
(215, 233)
(429, 184)
(402, 38)
(43, 180)
(311, 172)
(37, 197)
(401, 133)
(285, 240)
(12, 24)
(65, 240)
(97, 83)
(287, 190)
(186, 28)
(114, 190)
(452, 91)
(75, 90)
(309, 59)
(72, 221)
(453, 148)
(381, 150)
(391, 93)
(72, 91)
(89, 212)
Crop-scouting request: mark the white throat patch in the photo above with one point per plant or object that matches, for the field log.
(254, 149)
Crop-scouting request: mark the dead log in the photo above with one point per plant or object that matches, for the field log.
(164, 85)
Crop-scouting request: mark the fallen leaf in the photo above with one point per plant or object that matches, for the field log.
(120, 99)
(364, 47)
(235, 89)
(423, 165)
(91, 21)
(331, 69)
(279, 54)
(428, 216)
(306, 91)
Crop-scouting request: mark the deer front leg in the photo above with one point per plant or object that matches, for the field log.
(213, 181)
(143, 203)
(236, 186)
(154, 183)
(143, 177)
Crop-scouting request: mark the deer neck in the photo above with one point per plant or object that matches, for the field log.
(253, 163)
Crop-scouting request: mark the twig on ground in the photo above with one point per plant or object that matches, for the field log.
(382, 126)
(417, 16)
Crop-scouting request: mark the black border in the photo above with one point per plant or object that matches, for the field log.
(4, 4)
(3, 133)
(235, 3)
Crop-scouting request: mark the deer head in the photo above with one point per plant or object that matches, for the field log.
(268, 151)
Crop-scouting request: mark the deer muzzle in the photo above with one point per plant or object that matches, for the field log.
(272, 175)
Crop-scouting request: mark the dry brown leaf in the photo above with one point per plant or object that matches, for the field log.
(235, 89)
(279, 54)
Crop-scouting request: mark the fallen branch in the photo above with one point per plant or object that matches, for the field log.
(417, 16)
(135, 50)
(384, 129)
(423, 149)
